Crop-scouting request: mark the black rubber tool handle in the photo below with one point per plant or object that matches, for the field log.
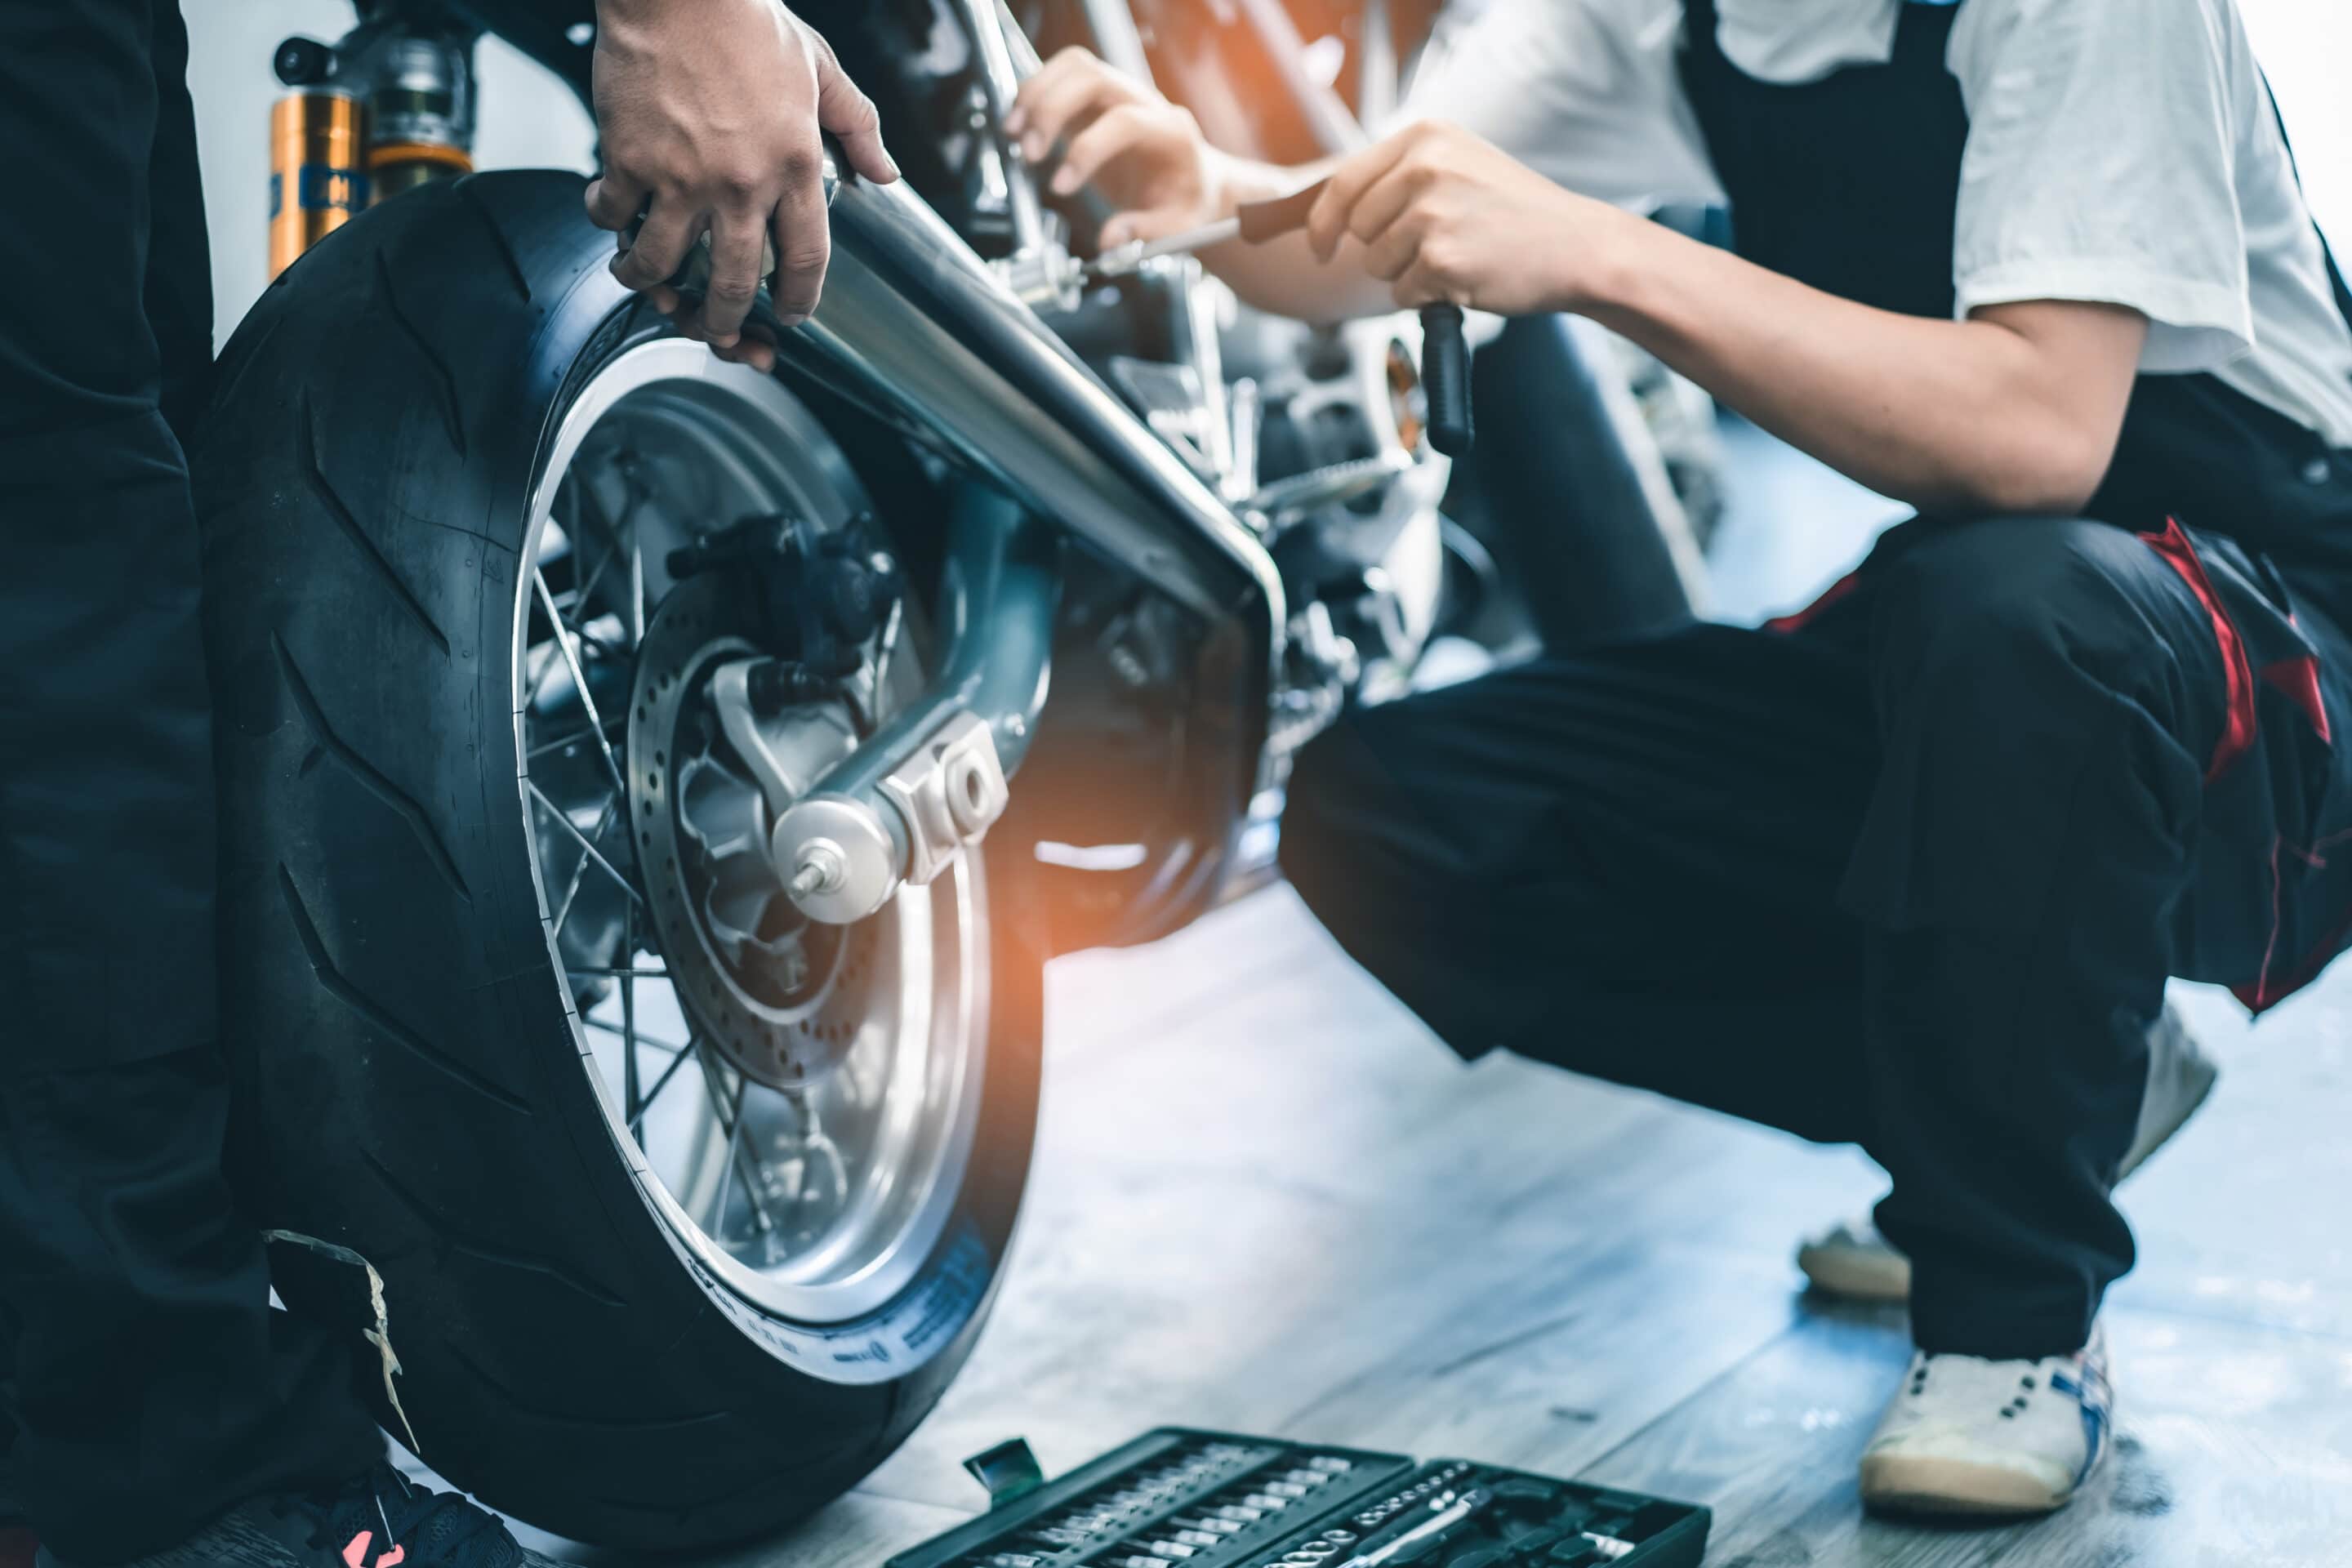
(1444, 353)
(1446, 378)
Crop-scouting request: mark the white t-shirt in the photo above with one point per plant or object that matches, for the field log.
(2118, 150)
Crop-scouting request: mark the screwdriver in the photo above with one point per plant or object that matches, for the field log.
(1254, 222)
(1444, 353)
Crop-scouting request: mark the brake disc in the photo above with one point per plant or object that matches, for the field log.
(778, 996)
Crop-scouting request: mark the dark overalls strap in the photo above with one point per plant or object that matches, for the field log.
(1851, 182)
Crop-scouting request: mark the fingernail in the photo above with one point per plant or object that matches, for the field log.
(1064, 182)
(1032, 148)
(789, 321)
(892, 164)
(1016, 120)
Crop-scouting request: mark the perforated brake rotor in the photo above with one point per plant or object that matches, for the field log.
(777, 996)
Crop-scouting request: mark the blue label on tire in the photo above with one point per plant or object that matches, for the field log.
(894, 1340)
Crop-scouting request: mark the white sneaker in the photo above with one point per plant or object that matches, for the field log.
(1851, 1259)
(1974, 1437)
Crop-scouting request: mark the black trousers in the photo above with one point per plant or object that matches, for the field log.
(1912, 876)
(152, 1385)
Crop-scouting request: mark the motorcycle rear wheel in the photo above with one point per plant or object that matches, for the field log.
(477, 941)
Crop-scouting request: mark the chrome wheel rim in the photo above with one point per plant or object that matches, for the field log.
(798, 1104)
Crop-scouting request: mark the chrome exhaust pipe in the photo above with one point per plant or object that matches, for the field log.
(914, 326)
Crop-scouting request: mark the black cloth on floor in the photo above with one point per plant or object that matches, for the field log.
(153, 1385)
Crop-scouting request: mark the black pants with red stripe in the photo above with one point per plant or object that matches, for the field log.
(1912, 876)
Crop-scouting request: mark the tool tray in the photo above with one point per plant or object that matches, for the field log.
(1180, 1499)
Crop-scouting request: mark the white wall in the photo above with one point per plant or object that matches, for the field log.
(529, 121)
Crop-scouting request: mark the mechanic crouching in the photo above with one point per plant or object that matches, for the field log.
(1909, 868)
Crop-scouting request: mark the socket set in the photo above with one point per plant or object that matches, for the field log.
(1180, 1499)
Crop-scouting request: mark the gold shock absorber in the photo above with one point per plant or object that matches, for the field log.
(318, 175)
(397, 167)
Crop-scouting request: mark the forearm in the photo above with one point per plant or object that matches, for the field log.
(1282, 276)
(1943, 414)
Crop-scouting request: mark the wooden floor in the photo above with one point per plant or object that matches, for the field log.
(1267, 1199)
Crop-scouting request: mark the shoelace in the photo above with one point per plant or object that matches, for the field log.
(384, 1519)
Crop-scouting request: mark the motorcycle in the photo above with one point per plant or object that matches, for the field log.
(652, 787)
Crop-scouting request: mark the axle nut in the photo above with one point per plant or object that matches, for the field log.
(822, 868)
(836, 859)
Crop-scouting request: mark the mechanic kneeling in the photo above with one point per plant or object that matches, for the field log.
(1909, 868)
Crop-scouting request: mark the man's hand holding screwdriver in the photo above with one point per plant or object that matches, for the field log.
(1432, 212)
(710, 114)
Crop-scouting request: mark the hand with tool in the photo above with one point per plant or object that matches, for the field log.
(1176, 195)
(1432, 214)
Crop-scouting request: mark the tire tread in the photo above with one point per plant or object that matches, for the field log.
(457, 1239)
(333, 747)
(452, 409)
(323, 487)
(376, 1014)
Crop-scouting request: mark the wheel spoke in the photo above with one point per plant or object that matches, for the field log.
(561, 741)
(563, 642)
(629, 1011)
(580, 867)
(539, 681)
(588, 848)
(685, 1055)
(728, 1116)
(612, 974)
(587, 589)
(592, 506)
(650, 1042)
(637, 589)
(730, 1123)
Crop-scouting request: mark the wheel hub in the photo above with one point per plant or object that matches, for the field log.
(778, 996)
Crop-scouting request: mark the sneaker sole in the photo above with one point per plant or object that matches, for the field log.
(2193, 1072)
(1916, 1484)
(1857, 1273)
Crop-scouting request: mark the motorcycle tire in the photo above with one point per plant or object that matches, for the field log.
(409, 1049)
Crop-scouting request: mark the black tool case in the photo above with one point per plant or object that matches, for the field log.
(1180, 1498)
